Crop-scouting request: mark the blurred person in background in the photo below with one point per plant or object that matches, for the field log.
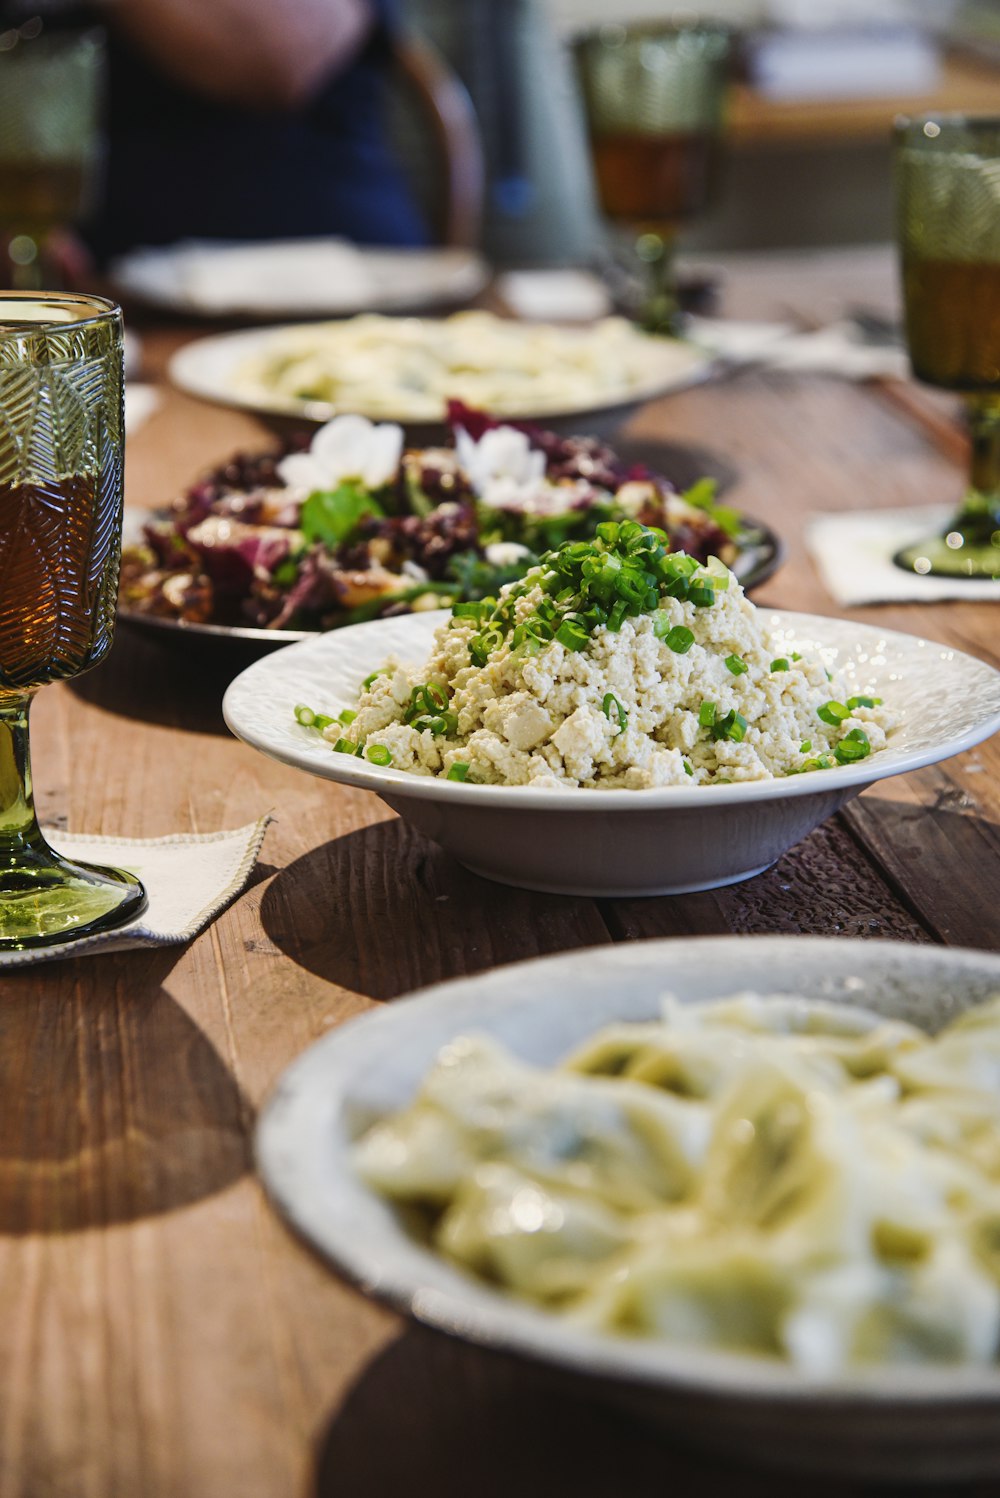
(242, 120)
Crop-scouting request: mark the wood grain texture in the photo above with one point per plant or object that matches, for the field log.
(164, 1334)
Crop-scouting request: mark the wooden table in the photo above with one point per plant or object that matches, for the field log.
(164, 1336)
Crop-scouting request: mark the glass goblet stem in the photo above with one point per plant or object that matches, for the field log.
(979, 516)
(660, 310)
(19, 830)
(45, 898)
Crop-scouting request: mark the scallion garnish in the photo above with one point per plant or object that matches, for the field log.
(344, 746)
(625, 571)
(852, 747)
(458, 771)
(736, 666)
(853, 702)
(346, 717)
(679, 639)
(805, 746)
(706, 714)
(687, 768)
(378, 754)
(733, 726)
(310, 719)
(369, 679)
(612, 705)
(781, 664)
(833, 712)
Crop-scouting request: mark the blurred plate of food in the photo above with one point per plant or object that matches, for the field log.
(348, 525)
(739, 1217)
(297, 278)
(407, 369)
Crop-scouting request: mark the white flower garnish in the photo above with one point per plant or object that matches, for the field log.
(348, 447)
(503, 468)
(505, 553)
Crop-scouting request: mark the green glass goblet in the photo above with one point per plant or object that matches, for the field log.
(61, 442)
(653, 97)
(948, 203)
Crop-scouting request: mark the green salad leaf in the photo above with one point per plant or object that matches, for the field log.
(702, 496)
(331, 516)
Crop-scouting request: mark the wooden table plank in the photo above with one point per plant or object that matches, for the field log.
(165, 1334)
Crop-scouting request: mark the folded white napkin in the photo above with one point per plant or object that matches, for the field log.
(295, 274)
(557, 295)
(854, 551)
(838, 349)
(140, 403)
(189, 878)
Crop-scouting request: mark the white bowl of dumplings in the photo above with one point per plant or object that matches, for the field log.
(760, 1203)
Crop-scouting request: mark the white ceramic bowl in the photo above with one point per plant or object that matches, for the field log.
(619, 842)
(893, 1423)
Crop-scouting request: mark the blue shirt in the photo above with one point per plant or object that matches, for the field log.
(182, 166)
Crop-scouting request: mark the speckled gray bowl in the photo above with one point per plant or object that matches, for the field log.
(593, 842)
(916, 1424)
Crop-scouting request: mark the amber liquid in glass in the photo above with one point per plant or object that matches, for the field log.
(655, 178)
(37, 196)
(953, 322)
(58, 574)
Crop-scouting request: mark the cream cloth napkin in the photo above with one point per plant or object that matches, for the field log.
(839, 349)
(189, 878)
(141, 401)
(854, 551)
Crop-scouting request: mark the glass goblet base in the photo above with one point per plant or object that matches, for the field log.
(46, 899)
(969, 547)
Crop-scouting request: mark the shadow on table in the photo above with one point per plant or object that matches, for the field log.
(175, 684)
(383, 910)
(680, 462)
(433, 1416)
(114, 1105)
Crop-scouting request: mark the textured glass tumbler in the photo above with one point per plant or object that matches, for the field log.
(948, 205)
(653, 97)
(61, 442)
(51, 91)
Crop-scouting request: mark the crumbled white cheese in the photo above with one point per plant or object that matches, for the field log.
(540, 719)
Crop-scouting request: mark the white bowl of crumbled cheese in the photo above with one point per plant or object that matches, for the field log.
(562, 739)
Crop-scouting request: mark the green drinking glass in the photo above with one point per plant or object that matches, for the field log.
(948, 207)
(61, 467)
(653, 97)
(51, 97)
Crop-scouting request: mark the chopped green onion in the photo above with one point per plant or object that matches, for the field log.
(853, 746)
(702, 594)
(687, 768)
(369, 679)
(344, 746)
(706, 714)
(310, 719)
(781, 664)
(796, 656)
(680, 639)
(853, 702)
(822, 762)
(833, 712)
(572, 635)
(458, 771)
(378, 754)
(733, 726)
(439, 723)
(736, 666)
(346, 717)
(612, 705)
(805, 746)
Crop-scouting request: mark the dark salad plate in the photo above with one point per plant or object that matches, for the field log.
(241, 558)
